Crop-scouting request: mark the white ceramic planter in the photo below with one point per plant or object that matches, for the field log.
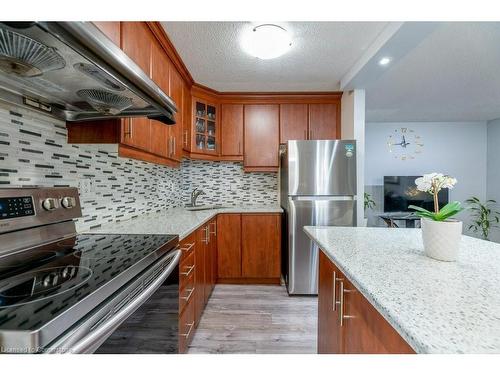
(441, 239)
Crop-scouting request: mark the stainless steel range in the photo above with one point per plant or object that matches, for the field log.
(66, 292)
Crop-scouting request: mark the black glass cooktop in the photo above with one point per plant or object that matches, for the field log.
(42, 284)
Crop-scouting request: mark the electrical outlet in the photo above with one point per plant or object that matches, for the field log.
(85, 186)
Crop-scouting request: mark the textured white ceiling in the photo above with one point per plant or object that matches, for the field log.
(322, 53)
(452, 75)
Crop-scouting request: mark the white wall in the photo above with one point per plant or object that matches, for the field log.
(457, 149)
(493, 169)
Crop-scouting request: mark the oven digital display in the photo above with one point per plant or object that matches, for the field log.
(11, 208)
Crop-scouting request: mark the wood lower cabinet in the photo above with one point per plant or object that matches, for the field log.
(206, 265)
(229, 246)
(260, 246)
(261, 137)
(210, 259)
(200, 259)
(324, 121)
(187, 292)
(347, 322)
(293, 122)
(213, 253)
(249, 248)
(232, 130)
(330, 340)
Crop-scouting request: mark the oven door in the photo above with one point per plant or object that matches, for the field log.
(142, 317)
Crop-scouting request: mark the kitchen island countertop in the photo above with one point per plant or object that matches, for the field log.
(175, 220)
(437, 307)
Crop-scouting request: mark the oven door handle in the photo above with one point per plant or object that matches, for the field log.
(90, 342)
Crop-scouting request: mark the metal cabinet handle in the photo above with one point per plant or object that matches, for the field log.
(341, 307)
(185, 138)
(186, 335)
(215, 228)
(174, 147)
(335, 279)
(207, 236)
(188, 272)
(239, 148)
(188, 248)
(188, 297)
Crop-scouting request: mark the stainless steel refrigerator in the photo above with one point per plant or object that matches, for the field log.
(318, 187)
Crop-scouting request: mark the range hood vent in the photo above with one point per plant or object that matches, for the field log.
(62, 64)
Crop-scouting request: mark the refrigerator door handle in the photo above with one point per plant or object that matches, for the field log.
(323, 198)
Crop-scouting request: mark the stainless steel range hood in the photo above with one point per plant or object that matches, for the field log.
(73, 71)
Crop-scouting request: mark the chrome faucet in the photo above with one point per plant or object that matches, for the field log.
(194, 195)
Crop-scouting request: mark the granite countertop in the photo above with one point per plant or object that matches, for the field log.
(175, 220)
(437, 307)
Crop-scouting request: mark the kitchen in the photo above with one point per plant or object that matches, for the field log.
(146, 210)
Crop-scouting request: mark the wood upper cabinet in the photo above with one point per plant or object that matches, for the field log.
(260, 245)
(205, 126)
(137, 43)
(187, 123)
(160, 74)
(111, 29)
(175, 131)
(347, 322)
(293, 122)
(232, 130)
(261, 137)
(323, 121)
(228, 246)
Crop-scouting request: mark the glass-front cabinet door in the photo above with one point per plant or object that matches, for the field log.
(205, 126)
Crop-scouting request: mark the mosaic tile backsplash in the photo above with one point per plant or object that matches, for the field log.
(226, 183)
(34, 151)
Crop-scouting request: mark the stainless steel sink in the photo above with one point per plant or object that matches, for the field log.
(203, 208)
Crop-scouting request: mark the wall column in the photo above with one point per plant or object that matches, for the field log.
(353, 127)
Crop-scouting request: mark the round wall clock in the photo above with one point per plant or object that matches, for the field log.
(405, 144)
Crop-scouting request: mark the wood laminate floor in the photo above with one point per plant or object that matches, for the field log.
(256, 319)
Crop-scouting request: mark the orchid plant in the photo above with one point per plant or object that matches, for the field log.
(432, 183)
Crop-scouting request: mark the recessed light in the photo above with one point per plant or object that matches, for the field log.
(384, 61)
(267, 41)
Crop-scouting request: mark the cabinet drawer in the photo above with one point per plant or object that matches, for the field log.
(186, 292)
(186, 270)
(187, 248)
(186, 327)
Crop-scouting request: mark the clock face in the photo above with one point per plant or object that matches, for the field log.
(405, 144)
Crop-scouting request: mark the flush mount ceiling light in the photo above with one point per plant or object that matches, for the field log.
(267, 41)
(384, 61)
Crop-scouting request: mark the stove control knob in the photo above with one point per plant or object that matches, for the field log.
(66, 273)
(68, 202)
(47, 281)
(49, 204)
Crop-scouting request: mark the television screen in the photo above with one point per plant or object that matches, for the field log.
(401, 192)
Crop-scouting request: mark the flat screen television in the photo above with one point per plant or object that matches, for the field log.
(401, 192)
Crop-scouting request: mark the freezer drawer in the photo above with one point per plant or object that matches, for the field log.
(302, 275)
